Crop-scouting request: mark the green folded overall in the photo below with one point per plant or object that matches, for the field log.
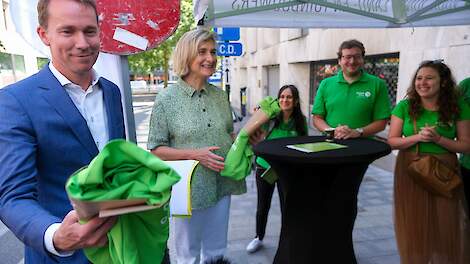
(270, 106)
(238, 160)
(124, 171)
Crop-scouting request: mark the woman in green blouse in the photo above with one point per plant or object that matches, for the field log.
(192, 120)
(430, 228)
(289, 123)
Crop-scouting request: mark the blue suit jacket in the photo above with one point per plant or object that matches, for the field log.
(43, 140)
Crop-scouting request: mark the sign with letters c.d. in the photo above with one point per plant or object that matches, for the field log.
(133, 26)
(229, 49)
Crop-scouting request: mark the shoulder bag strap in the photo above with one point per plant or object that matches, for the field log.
(415, 130)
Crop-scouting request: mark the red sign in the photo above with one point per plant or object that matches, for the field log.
(133, 26)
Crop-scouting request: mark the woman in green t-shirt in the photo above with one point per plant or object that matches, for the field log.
(289, 123)
(430, 228)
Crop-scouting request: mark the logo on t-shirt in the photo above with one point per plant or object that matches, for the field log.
(363, 94)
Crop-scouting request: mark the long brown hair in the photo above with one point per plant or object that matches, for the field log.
(299, 118)
(447, 97)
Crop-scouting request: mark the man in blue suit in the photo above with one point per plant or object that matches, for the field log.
(52, 124)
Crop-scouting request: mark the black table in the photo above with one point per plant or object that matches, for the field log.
(320, 196)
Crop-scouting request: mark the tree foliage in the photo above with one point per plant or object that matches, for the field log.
(158, 58)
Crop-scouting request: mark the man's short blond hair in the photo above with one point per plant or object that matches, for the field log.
(187, 48)
(43, 13)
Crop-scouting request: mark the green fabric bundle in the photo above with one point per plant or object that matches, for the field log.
(123, 170)
(270, 106)
(238, 160)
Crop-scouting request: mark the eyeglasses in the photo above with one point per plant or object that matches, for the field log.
(349, 57)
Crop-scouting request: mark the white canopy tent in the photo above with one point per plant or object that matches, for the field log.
(419, 21)
(332, 13)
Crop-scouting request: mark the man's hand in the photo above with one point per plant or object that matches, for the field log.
(209, 159)
(72, 235)
(344, 132)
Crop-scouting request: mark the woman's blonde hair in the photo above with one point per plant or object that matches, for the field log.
(187, 47)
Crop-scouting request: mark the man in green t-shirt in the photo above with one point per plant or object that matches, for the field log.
(465, 158)
(355, 104)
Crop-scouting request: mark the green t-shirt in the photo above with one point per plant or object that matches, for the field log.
(356, 105)
(281, 131)
(465, 89)
(431, 119)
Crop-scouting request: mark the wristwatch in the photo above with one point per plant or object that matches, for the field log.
(360, 130)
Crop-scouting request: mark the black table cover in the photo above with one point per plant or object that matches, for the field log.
(319, 199)
(358, 150)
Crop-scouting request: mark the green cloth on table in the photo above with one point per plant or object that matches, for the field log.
(238, 160)
(122, 170)
(316, 147)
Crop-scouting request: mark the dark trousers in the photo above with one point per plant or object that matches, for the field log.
(265, 192)
(466, 184)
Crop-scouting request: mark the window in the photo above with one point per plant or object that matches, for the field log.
(12, 68)
(18, 61)
(5, 62)
(320, 70)
(385, 67)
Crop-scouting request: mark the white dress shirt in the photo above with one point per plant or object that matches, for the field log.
(90, 104)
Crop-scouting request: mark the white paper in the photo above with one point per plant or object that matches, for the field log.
(180, 201)
(130, 38)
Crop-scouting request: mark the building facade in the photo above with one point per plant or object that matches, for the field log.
(18, 60)
(303, 57)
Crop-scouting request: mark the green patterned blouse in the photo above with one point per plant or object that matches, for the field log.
(184, 118)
